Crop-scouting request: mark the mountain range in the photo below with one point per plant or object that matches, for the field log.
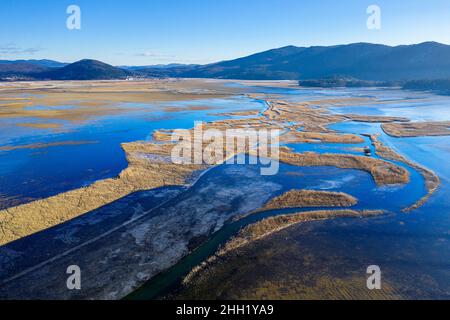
(364, 61)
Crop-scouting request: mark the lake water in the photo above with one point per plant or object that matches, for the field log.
(27, 174)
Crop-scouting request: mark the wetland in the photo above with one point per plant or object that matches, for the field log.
(86, 180)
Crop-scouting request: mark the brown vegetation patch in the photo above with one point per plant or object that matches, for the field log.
(315, 137)
(221, 126)
(269, 226)
(310, 198)
(432, 181)
(244, 113)
(45, 145)
(375, 119)
(40, 125)
(98, 98)
(417, 129)
(303, 114)
(383, 172)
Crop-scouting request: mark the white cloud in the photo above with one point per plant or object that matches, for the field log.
(11, 48)
(153, 54)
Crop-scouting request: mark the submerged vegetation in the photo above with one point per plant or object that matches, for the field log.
(383, 172)
(268, 227)
(274, 224)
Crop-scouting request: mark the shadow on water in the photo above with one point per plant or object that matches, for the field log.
(357, 183)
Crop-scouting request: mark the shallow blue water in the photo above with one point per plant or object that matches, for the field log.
(416, 106)
(38, 173)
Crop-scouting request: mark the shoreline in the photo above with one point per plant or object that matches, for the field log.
(432, 180)
(269, 226)
(295, 199)
(417, 129)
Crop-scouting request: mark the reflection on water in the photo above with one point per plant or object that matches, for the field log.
(38, 173)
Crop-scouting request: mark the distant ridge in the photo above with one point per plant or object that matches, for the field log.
(21, 71)
(86, 70)
(159, 66)
(365, 61)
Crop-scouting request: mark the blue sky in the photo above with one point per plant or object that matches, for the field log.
(142, 32)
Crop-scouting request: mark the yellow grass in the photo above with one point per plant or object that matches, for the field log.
(316, 137)
(45, 145)
(417, 129)
(269, 226)
(310, 198)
